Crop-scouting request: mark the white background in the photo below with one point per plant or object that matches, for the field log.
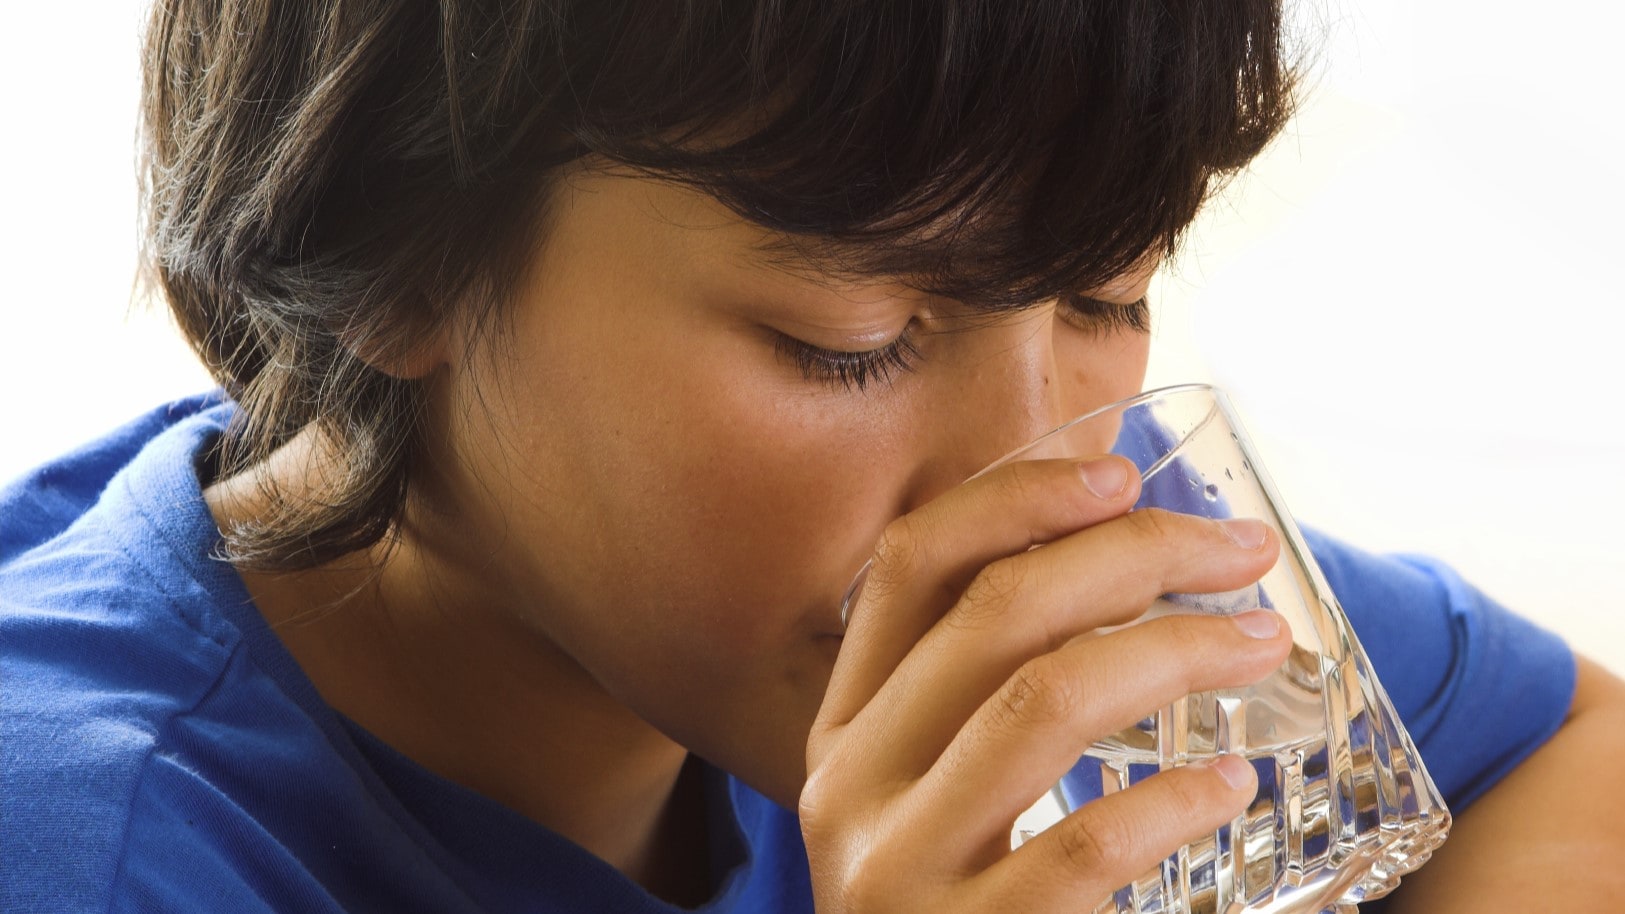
(1413, 297)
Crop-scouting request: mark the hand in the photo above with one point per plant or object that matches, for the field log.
(971, 678)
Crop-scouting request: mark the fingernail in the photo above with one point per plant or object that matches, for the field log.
(1233, 768)
(1244, 531)
(1105, 477)
(1259, 623)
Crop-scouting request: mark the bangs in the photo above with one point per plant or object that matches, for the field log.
(328, 178)
(999, 153)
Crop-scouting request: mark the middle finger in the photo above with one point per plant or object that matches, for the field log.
(1031, 603)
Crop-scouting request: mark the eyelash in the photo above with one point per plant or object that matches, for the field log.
(857, 370)
(1105, 316)
(851, 370)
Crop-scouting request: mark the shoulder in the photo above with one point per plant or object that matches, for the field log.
(106, 642)
(159, 749)
(101, 558)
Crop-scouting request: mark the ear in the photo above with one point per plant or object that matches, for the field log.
(401, 354)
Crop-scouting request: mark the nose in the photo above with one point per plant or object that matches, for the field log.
(1007, 393)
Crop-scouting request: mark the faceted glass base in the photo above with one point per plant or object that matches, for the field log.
(1342, 812)
(1344, 806)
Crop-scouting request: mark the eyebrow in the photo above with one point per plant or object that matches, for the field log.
(789, 255)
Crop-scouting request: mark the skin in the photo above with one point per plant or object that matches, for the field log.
(637, 522)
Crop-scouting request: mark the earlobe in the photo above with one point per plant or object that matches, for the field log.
(413, 366)
(405, 356)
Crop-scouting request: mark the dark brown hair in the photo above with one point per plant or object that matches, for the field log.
(326, 179)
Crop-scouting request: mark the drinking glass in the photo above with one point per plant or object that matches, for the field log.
(1344, 804)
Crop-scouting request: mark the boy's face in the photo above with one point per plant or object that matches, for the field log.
(673, 503)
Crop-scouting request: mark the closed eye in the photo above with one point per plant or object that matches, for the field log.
(1099, 316)
(850, 370)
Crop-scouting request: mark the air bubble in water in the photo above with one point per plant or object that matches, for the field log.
(1211, 492)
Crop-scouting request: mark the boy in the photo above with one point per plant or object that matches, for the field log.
(575, 357)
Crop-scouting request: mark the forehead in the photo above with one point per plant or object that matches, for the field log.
(691, 242)
(691, 232)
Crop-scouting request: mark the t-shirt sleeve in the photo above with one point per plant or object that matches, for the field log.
(1477, 687)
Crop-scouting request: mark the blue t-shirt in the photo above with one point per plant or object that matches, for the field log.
(161, 751)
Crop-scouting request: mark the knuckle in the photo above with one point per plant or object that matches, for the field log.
(1030, 486)
(1098, 846)
(825, 803)
(898, 555)
(1038, 693)
(1155, 525)
(990, 594)
(1020, 482)
(1187, 640)
(1163, 538)
(814, 804)
(1183, 649)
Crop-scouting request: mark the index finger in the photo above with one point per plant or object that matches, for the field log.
(926, 558)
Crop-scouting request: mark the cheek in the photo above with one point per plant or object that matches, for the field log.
(707, 595)
(763, 512)
(695, 493)
(1099, 371)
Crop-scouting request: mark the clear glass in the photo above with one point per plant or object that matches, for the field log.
(1344, 804)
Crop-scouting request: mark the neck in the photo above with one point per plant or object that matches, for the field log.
(431, 656)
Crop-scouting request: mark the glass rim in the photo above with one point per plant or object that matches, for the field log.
(1124, 404)
(849, 597)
